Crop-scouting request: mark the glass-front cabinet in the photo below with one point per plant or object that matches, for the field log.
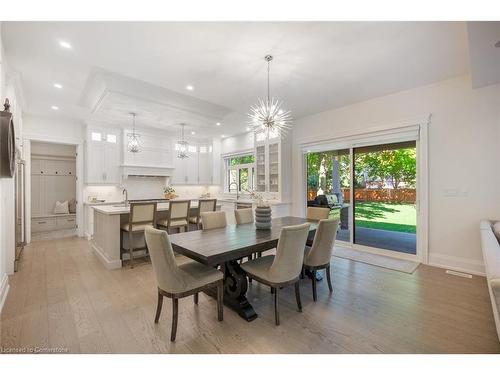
(260, 163)
(268, 164)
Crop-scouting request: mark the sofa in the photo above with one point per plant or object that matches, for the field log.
(491, 257)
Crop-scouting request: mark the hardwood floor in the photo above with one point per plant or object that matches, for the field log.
(63, 298)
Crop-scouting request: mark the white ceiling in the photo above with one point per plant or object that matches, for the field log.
(317, 66)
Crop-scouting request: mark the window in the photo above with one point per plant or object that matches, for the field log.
(239, 173)
(96, 136)
(111, 138)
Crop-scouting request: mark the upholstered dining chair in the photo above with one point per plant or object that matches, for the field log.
(244, 216)
(204, 205)
(177, 217)
(284, 268)
(318, 256)
(141, 215)
(178, 281)
(316, 213)
(213, 220)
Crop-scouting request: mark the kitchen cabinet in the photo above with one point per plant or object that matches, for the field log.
(272, 165)
(102, 161)
(197, 169)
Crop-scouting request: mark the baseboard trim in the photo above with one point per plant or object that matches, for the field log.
(4, 290)
(459, 264)
(109, 264)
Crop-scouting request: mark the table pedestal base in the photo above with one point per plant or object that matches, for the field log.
(235, 289)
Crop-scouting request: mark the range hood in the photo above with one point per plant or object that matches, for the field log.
(146, 171)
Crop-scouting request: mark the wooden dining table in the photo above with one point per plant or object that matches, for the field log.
(224, 247)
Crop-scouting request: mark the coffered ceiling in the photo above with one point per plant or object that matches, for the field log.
(317, 66)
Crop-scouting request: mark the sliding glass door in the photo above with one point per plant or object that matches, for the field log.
(372, 189)
(385, 213)
(329, 184)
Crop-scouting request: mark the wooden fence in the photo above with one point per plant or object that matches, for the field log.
(376, 195)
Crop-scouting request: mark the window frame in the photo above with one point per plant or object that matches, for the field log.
(238, 168)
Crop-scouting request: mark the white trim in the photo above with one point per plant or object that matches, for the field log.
(4, 290)
(475, 267)
(247, 151)
(79, 144)
(399, 126)
(382, 134)
(109, 264)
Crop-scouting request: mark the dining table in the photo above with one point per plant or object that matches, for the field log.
(226, 247)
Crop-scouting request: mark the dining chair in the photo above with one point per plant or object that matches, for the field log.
(243, 216)
(318, 256)
(204, 205)
(213, 220)
(141, 215)
(177, 281)
(284, 268)
(316, 213)
(177, 217)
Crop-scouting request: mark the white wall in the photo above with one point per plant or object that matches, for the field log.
(60, 131)
(8, 89)
(463, 154)
(238, 143)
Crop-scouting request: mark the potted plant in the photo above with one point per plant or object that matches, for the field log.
(169, 192)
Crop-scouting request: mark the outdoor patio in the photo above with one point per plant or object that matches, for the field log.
(383, 239)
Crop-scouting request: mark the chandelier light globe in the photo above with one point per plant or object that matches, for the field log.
(268, 114)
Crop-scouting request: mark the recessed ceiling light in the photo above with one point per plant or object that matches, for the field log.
(248, 128)
(223, 136)
(193, 133)
(65, 44)
(55, 107)
(189, 88)
(218, 123)
(58, 86)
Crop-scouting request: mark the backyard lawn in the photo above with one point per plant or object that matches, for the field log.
(386, 216)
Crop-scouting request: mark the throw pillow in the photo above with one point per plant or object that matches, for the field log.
(496, 230)
(61, 207)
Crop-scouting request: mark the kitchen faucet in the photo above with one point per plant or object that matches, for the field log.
(237, 190)
(124, 191)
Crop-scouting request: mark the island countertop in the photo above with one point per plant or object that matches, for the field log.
(121, 209)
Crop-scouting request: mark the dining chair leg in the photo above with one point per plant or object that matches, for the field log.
(297, 296)
(158, 307)
(302, 273)
(329, 278)
(272, 290)
(131, 249)
(220, 296)
(276, 306)
(175, 315)
(315, 297)
(195, 298)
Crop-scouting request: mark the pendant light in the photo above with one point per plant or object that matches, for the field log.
(133, 145)
(268, 114)
(182, 145)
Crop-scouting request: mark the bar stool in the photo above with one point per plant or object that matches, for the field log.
(141, 215)
(178, 216)
(204, 205)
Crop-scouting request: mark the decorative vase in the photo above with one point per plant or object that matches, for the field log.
(263, 217)
(170, 195)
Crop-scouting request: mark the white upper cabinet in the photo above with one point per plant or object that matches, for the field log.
(273, 165)
(102, 156)
(197, 168)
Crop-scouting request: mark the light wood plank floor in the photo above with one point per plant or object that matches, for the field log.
(62, 297)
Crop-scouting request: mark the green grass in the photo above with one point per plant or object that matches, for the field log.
(386, 216)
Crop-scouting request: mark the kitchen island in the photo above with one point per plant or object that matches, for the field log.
(108, 220)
